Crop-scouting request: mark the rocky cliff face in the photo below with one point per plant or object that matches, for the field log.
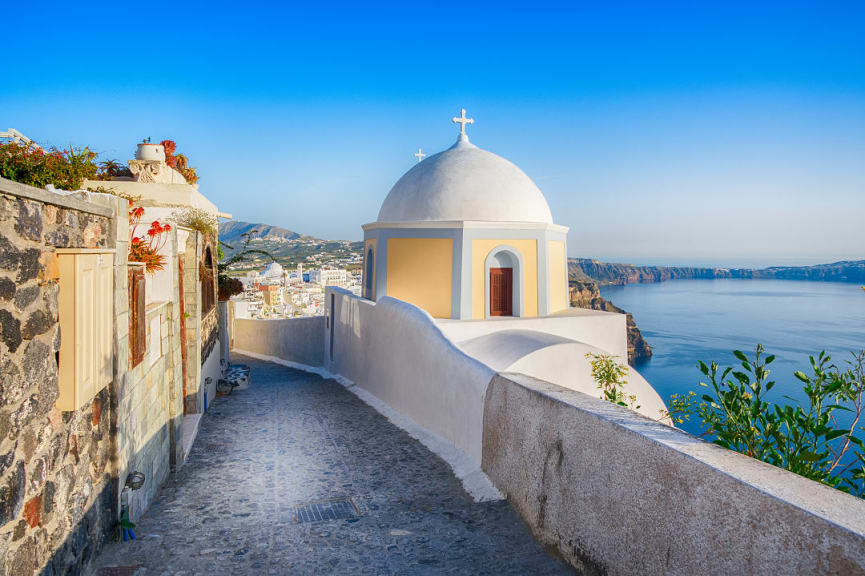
(585, 294)
(621, 274)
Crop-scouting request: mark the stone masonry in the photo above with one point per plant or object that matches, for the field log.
(56, 496)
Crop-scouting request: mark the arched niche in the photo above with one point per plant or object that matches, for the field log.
(505, 257)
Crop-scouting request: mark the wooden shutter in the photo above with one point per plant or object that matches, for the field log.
(137, 325)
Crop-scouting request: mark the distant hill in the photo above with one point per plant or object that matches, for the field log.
(287, 247)
(232, 232)
(582, 269)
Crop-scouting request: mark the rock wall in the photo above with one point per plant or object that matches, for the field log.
(61, 473)
(585, 294)
(57, 497)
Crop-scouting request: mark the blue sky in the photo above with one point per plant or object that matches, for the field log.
(731, 134)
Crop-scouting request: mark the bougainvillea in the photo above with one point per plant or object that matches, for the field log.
(146, 248)
(178, 161)
(65, 169)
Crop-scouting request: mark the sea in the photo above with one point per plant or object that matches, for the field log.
(689, 320)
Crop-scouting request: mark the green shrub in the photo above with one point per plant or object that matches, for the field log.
(65, 169)
(611, 377)
(803, 438)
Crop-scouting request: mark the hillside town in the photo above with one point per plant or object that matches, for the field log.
(277, 293)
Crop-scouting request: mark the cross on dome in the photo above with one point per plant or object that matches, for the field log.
(462, 121)
(420, 155)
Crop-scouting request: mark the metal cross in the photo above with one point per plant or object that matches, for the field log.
(462, 121)
(420, 155)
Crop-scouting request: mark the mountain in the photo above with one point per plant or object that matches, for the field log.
(620, 274)
(286, 246)
(232, 232)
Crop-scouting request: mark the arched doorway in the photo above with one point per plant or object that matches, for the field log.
(503, 272)
(368, 274)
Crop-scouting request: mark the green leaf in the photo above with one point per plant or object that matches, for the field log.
(740, 355)
(801, 376)
(832, 434)
(809, 456)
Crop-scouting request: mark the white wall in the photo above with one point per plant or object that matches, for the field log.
(299, 340)
(557, 360)
(604, 330)
(397, 352)
(616, 493)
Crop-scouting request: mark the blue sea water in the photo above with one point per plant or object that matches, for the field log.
(689, 320)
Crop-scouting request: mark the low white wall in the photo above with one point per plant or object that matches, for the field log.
(558, 360)
(395, 351)
(299, 340)
(604, 330)
(616, 493)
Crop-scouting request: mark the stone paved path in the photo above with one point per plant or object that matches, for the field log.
(293, 438)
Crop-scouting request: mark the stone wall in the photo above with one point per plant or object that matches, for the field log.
(57, 496)
(62, 473)
(616, 493)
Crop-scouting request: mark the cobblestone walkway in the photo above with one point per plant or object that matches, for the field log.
(293, 438)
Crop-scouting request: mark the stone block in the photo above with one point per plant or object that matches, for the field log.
(38, 322)
(10, 330)
(26, 296)
(28, 264)
(33, 511)
(12, 494)
(7, 289)
(50, 267)
(9, 254)
(29, 221)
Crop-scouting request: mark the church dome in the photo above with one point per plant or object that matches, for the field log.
(273, 270)
(465, 183)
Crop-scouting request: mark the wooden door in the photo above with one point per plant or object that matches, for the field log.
(501, 291)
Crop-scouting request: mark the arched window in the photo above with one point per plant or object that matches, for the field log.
(206, 275)
(368, 273)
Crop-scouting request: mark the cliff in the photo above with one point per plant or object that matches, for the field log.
(620, 274)
(585, 294)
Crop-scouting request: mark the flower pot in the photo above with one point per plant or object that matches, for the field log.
(148, 151)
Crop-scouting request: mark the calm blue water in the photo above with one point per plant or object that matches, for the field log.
(689, 320)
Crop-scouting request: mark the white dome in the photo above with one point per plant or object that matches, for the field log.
(465, 183)
(273, 270)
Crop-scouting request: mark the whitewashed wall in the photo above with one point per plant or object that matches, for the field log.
(397, 352)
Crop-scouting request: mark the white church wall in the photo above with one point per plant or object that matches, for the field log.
(395, 351)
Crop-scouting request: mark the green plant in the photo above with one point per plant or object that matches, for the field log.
(196, 219)
(179, 161)
(65, 169)
(110, 169)
(803, 438)
(611, 377)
